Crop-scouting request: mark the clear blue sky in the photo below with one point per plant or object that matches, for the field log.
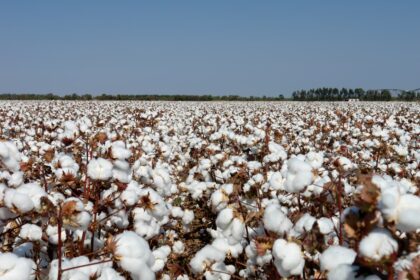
(201, 47)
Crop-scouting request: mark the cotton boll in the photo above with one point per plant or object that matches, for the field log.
(220, 198)
(345, 163)
(343, 271)
(74, 214)
(134, 255)
(145, 224)
(298, 176)
(277, 153)
(99, 169)
(276, 181)
(34, 191)
(396, 205)
(402, 151)
(9, 155)
(177, 212)
(129, 197)
(378, 244)
(315, 159)
(275, 220)
(30, 232)
(219, 271)
(161, 257)
(18, 202)
(335, 256)
(325, 225)
(224, 218)
(256, 257)
(162, 181)
(408, 213)
(304, 224)
(15, 180)
(204, 257)
(178, 247)
(118, 151)
(152, 214)
(188, 217)
(13, 267)
(82, 273)
(109, 273)
(121, 175)
(52, 232)
(228, 245)
(288, 258)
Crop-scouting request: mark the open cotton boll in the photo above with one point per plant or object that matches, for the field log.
(277, 153)
(219, 271)
(130, 196)
(403, 209)
(15, 180)
(276, 181)
(9, 155)
(108, 273)
(152, 214)
(256, 257)
(288, 258)
(178, 247)
(205, 257)
(224, 218)
(30, 232)
(177, 212)
(34, 191)
(18, 202)
(378, 244)
(220, 198)
(325, 225)
(145, 224)
(304, 224)
(118, 151)
(86, 268)
(13, 267)
(134, 255)
(226, 244)
(298, 176)
(161, 257)
(345, 163)
(162, 182)
(196, 188)
(121, 175)
(52, 233)
(275, 220)
(65, 161)
(408, 213)
(188, 217)
(99, 169)
(343, 271)
(401, 150)
(74, 214)
(315, 159)
(349, 272)
(336, 255)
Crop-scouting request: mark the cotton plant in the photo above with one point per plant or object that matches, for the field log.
(14, 267)
(288, 258)
(151, 213)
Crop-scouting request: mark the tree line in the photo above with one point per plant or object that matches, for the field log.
(74, 96)
(344, 94)
(318, 94)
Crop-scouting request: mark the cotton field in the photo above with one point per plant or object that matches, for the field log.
(155, 190)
